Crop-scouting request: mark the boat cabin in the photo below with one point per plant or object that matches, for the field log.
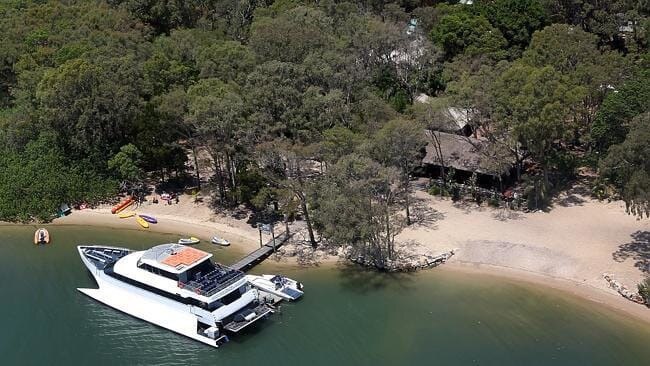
(185, 271)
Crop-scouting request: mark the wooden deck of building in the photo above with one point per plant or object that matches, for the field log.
(260, 254)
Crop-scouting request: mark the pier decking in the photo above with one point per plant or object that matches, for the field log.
(260, 254)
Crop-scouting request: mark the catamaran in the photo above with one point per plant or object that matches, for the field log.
(176, 287)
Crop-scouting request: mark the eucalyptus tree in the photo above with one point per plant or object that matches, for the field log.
(400, 144)
(612, 120)
(460, 31)
(627, 166)
(355, 205)
(574, 54)
(287, 166)
(91, 104)
(532, 107)
(218, 113)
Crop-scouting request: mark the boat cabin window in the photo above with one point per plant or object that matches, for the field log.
(234, 295)
(158, 271)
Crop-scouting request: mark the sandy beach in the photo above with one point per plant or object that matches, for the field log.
(568, 248)
(185, 220)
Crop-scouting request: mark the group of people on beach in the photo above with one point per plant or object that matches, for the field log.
(167, 197)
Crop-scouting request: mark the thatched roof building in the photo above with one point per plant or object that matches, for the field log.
(466, 154)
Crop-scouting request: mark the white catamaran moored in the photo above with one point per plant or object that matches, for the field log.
(175, 287)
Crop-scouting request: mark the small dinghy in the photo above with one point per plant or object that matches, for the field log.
(189, 241)
(41, 236)
(277, 285)
(219, 241)
(124, 215)
(142, 222)
(149, 219)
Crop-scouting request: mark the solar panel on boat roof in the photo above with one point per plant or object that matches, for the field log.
(186, 256)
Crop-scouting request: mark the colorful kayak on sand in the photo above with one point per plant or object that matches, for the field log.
(149, 219)
(122, 205)
(124, 215)
(142, 223)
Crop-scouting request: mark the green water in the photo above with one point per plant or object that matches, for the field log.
(347, 317)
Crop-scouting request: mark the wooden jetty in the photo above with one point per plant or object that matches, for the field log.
(260, 254)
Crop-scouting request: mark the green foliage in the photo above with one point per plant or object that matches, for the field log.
(644, 290)
(354, 204)
(462, 32)
(627, 166)
(34, 182)
(279, 92)
(533, 103)
(91, 104)
(126, 163)
(292, 35)
(436, 190)
(619, 107)
(516, 19)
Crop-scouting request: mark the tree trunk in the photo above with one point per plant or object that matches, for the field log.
(310, 229)
(406, 191)
(408, 211)
(222, 189)
(196, 166)
(231, 179)
(286, 225)
(388, 244)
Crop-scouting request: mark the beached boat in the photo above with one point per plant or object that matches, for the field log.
(189, 241)
(142, 222)
(42, 236)
(124, 215)
(149, 219)
(219, 241)
(175, 287)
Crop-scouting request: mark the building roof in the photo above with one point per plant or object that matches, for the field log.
(175, 258)
(467, 154)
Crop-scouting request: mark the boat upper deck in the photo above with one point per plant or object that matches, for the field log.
(174, 258)
(214, 279)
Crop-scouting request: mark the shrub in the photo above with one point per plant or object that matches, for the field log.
(644, 290)
(438, 191)
(494, 202)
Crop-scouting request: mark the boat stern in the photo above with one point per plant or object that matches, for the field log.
(248, 316)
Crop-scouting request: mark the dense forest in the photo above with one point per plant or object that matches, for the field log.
(309, 106)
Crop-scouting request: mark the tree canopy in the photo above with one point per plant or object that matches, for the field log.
(283, 95)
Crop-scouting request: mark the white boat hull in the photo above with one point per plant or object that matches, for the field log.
(290, 290)
(145, 305)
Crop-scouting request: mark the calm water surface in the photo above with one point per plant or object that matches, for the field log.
(347, 317)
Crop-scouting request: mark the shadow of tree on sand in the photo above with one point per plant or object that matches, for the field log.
(638, 249)
(506, 214)
(574, 196)
(423, 214)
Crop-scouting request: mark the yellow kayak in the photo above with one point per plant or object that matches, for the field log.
(124, 215)
(141, 221)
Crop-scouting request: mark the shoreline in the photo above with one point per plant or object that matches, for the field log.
(245, 238)
(584, 291)
(239, 237)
